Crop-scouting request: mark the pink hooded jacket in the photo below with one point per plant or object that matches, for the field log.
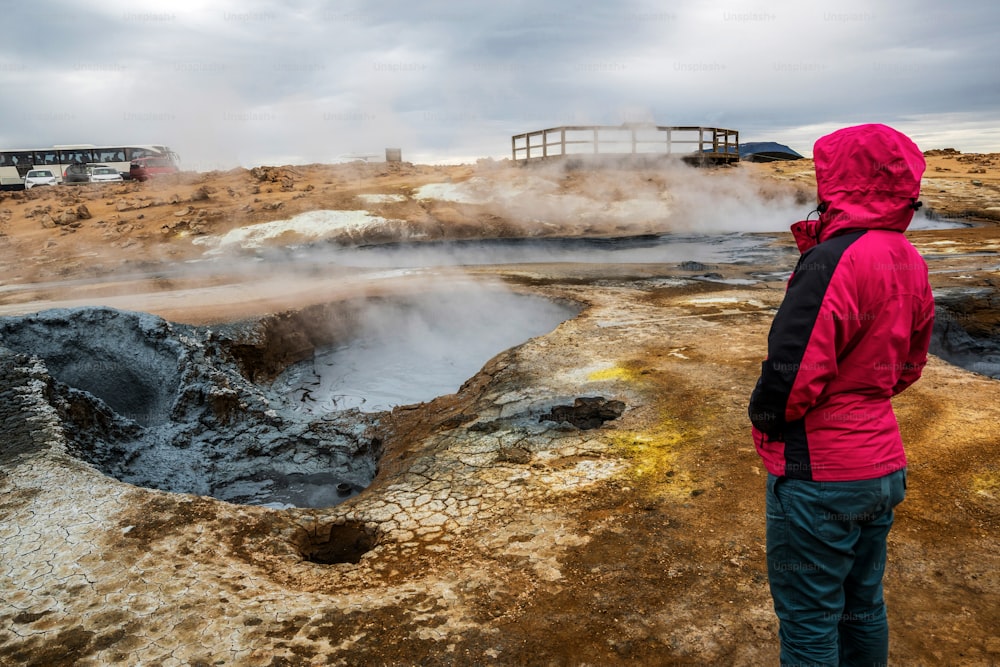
(855, 324)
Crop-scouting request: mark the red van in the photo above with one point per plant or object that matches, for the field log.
(144, 168)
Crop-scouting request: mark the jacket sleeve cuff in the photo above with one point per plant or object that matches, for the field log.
(768, 419)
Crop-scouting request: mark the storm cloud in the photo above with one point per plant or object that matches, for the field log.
(244, 83)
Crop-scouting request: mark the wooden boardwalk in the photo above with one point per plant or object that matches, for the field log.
(699, 145)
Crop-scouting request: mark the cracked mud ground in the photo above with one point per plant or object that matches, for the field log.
(491, 536)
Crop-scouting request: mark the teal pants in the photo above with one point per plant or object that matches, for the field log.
(826, 552)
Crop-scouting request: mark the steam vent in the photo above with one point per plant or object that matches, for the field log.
(394, 414)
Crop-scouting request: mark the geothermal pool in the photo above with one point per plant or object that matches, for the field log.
(649, 249)
(412, 352)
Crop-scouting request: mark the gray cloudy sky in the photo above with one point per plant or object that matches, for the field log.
(258, 82)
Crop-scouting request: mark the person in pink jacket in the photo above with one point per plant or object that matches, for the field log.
(852, 332)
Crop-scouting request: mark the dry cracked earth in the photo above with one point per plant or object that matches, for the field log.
(589, 497)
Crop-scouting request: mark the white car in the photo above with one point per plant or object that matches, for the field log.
(39, 177)
(104, 175)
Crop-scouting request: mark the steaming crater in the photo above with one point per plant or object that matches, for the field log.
(194, 410)
(136, 371)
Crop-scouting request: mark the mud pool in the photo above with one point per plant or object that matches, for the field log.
(967, 328)
(667, 248)
(176, 408)
(411, 353)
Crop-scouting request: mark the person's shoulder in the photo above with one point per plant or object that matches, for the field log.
(833, 248)
(881, 241)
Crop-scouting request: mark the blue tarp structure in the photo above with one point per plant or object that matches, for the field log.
(767, 151)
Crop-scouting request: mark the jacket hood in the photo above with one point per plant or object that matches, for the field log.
(868, 177)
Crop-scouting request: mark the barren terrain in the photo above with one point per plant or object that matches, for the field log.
(511, 522)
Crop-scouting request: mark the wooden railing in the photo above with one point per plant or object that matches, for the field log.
(698, 144)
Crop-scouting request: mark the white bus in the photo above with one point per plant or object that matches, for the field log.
(16, 163)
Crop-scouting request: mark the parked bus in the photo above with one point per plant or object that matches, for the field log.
(16, 163)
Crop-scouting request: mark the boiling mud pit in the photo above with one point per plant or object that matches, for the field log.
(282, 411)
(412, 352)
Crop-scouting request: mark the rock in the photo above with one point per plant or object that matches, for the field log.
(586, 412)
(187, 210)
(271, 175)
(201, 194)
(82, 212)
(66, 218)
(38, 210)
(692, 266)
